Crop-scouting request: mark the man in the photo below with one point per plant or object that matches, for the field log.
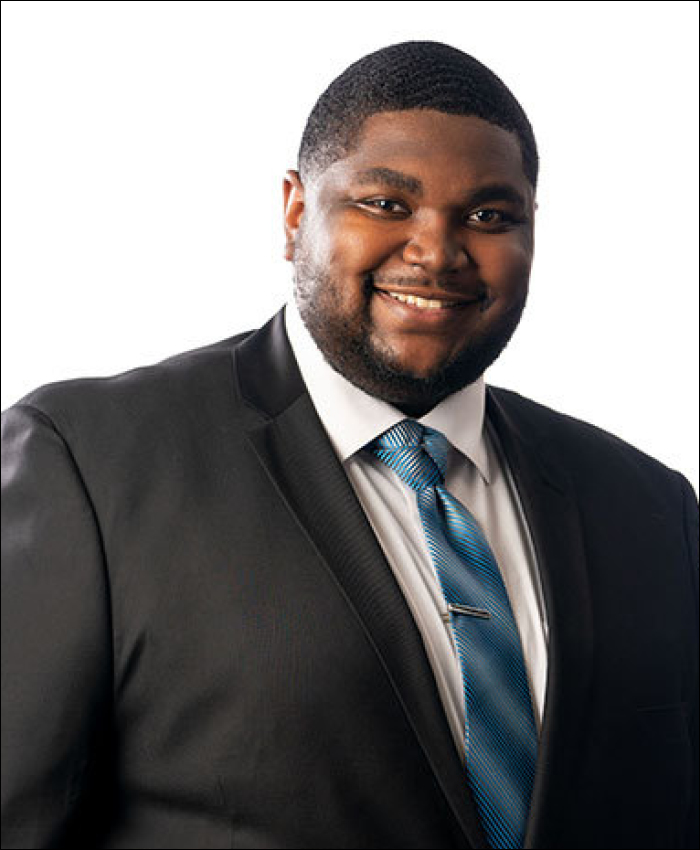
(320, 586)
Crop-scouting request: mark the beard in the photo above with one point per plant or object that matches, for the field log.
(352, 348)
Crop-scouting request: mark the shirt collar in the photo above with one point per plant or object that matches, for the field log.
(352, 418)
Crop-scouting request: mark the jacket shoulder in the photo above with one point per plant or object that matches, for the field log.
(182, 379)
(579, 445)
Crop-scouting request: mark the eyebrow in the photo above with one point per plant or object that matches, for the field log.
(390, 178)
(406, 183)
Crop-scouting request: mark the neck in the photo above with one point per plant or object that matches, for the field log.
(415, 411)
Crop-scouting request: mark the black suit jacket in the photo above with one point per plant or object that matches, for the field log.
(205, 647)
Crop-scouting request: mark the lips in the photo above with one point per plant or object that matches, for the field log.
(416, 314)
(425, 300)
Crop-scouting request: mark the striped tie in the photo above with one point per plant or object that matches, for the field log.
(499, 733)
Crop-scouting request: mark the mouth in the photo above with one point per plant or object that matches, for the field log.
(415, 301)
(420, 302)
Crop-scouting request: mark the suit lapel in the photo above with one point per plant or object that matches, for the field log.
(292, 446)
(552, 515)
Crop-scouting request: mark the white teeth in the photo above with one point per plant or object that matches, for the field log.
(417, 301)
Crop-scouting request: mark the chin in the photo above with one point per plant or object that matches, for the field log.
(408, 388)
(419, 374)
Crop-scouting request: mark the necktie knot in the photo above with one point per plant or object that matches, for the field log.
(416, 453)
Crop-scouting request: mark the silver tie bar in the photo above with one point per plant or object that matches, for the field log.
(468, 610)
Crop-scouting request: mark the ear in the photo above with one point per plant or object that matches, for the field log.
(293, 210)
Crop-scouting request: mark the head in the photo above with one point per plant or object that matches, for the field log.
(410, 222)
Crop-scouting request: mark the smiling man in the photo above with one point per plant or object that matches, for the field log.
(319, 585)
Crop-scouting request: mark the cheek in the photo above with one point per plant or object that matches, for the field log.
(336, 259)
(506, 268)
(316, 241)
(355, 247)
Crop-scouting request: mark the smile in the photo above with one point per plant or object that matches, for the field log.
(444, 306)
(424, 303)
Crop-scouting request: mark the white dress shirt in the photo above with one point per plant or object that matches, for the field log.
(477, 476)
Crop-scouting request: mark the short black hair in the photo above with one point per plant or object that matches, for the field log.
(410, 75)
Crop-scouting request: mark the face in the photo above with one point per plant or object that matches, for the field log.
(412, 254)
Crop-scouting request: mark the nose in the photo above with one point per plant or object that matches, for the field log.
(436, 245)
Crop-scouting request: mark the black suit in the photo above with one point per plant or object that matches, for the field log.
(205, 646)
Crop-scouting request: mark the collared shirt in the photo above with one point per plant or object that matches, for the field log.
(477, 475)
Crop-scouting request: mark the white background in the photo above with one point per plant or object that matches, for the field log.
(144, 145)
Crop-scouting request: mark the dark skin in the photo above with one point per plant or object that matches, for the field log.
(427, 205)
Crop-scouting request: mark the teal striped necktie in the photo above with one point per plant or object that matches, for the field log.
(500, 737)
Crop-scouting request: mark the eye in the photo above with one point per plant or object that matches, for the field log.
(385, 205)
(490, 217)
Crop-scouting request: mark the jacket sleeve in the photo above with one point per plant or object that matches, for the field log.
(56, 635)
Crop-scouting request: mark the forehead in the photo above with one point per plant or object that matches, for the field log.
(435, 147)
